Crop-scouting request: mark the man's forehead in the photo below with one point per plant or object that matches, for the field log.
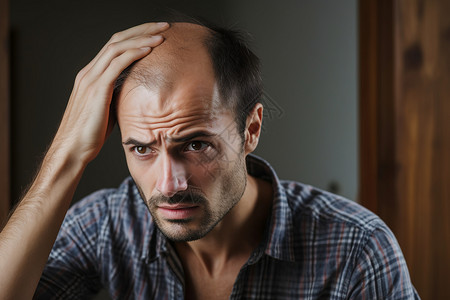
(193, 98)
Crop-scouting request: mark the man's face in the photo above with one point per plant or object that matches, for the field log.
(182, 147)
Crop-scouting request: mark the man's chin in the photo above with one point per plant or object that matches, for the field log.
(182, 235)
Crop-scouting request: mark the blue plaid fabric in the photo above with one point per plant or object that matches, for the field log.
(316, 246)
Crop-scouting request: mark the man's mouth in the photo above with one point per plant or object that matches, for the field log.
(177, 211)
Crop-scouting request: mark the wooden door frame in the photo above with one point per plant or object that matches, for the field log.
(376, 101)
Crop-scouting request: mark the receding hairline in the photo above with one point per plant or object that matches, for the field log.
(182, 38)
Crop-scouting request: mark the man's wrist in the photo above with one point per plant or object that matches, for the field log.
(60, 169)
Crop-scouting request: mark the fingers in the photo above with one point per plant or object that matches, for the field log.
(86, 121)
(136, 37)
(116, 49)
(147, 29)
(144, 29)
(119, 63)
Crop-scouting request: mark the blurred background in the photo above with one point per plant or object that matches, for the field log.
(354, 95)
(309, 60)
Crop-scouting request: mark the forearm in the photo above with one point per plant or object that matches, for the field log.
(28, 237)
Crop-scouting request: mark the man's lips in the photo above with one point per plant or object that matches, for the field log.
(177, 211)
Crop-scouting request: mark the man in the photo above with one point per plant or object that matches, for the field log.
(200, 217)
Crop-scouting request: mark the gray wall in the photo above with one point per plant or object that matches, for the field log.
(309, 55)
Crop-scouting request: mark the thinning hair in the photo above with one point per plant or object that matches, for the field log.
(236, 70)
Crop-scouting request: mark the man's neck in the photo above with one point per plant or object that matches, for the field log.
(237, 235)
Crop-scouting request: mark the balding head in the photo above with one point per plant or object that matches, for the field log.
(182, 52)
(190, 48)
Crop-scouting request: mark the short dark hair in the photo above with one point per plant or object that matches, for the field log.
(237, 71)
(236, 68)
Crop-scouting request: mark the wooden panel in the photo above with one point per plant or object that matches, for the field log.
(4, 110)
(376, 101)
(405, 159)
(368, 90)
(423, 140)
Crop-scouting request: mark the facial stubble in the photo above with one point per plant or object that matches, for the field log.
(232, 186)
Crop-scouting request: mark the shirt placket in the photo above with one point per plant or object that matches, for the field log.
(176, 271)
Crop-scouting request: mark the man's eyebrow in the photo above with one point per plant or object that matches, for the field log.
(132, 141)
(191, 136)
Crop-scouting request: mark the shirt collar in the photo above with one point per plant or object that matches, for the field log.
(278, 239)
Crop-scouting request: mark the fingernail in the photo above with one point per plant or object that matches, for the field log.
(156, 37)
(162, 24)
(145, 49)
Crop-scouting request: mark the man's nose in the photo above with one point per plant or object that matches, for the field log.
(172, 178)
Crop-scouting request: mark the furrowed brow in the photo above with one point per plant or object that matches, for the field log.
(191, 136)
(132, 141)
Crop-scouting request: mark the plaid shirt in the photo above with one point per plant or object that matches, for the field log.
(316, 246)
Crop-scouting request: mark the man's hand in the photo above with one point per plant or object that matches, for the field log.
(27, 238)
(84, 126)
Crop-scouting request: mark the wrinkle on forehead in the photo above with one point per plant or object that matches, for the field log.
(147, 128)
(143, 109)
(147, 103)
(161, 102)
(142, 124)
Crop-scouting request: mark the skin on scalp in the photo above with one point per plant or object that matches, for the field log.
(182, 52)
(173, 92)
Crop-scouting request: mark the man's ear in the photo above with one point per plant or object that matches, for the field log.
(253, 128)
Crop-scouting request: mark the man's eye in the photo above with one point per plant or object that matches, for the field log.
(141, 150)
(196, 146)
